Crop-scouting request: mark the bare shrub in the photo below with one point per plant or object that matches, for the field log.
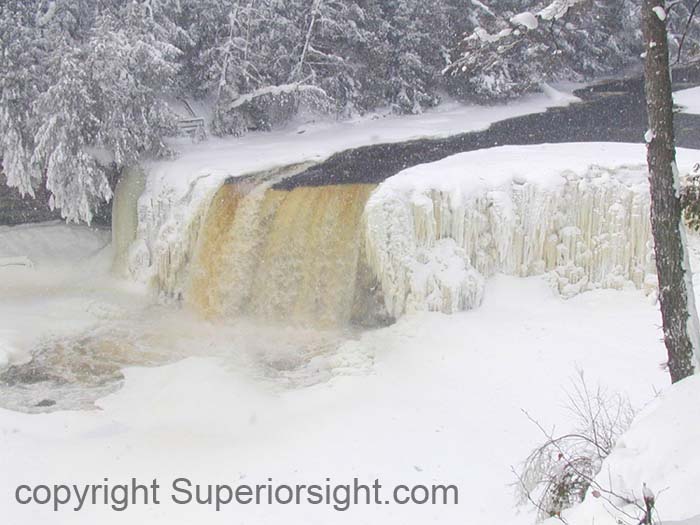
(559, 473)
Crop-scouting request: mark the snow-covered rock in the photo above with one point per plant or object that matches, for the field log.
(526, 19)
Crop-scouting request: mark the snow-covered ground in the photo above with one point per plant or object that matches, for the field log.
(660, 450)
(440, 403)
(217, 159)
(39, 284)
(688, 100)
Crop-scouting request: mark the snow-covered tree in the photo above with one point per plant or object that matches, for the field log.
(263, 60)
(104, 107)
(82, 92)
(84, 83)
(417, 36)
(517, 44)
(684, 30)
(22, 79)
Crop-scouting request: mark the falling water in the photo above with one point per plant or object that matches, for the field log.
(291, 256)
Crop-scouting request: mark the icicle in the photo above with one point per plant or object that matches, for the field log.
(125, 217)
(429, 249)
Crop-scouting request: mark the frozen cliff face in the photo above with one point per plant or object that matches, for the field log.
(415, 275)
(577, 213)
(158, 247)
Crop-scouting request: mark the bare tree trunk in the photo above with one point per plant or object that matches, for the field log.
(675, 278)
(298, 70)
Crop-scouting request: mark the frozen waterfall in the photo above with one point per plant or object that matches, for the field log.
(434, 232)
(423, 240)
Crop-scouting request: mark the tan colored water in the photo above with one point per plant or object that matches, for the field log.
(281, 255)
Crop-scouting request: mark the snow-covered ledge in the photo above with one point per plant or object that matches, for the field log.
(576, 212)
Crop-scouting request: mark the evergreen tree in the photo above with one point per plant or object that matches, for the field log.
(84, 84)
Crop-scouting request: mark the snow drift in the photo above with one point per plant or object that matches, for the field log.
(659, 450)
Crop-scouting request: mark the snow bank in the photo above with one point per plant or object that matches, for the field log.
(177, 192)
(48, 243)
(660, 450)
(577, 212)
(689, 100)
(38, 258)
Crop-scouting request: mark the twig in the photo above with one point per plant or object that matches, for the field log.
(685, 31)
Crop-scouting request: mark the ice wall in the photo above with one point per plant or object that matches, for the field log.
(168, 228)
(157, 246)
(125, 217)
(434, 233)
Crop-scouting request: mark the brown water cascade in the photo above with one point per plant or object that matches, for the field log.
(286, 255)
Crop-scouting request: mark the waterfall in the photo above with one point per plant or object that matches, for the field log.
(283, 255)
(424, 240)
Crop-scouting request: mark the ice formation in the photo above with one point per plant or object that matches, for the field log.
(425, 239)
(125, 217)
(167, 231)
(434, 232)
(157, 249)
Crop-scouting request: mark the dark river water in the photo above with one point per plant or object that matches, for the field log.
(612, 111)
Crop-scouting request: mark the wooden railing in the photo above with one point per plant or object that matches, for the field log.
(192, 126)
